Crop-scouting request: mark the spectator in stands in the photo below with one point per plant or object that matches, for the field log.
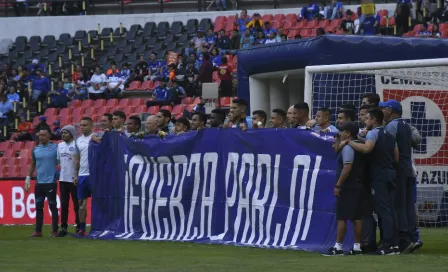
(334, 10)
(260, 38)
(225, 75)
(197, 62)
(59, 96)
(170, 74)
(80, 91)
(151, 125)
(268, 30)
(320, 31)
(235, 40)
(323, 117)
(41, 126)
(238, 115)
(402, 13)
(198, 121)
(6, 111)
(271, 39)
(223, 43)
(114, 83)
(176, 93)
(141, 69)
(191, 79)
(217, 118)
(292, 123)
(279, 34)
(56, 132)
(164, 121)
(278, 118)
(255, 18)
(370, 25)
(25, 130)
(160, 95)
(199, 41)
(309, 12)
(206, 70)
(190, 49)
(35, 65)
(133, 125)
(15, 76)
(113, 69)
(153, 67)
(435, 31)
(211, 38)
(347, 24)
(67, 84)
(41, 86)
(257, 27)
(246, 40)
(125, 74)
(221, 3)
(424, 31)
(242, 20)
(76, 74)
(97, 83)
(13, 96)
(200, 107)
(259, 119)
(181, 126)
(216, 57)
(283, 38)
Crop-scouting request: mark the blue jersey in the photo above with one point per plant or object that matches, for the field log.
(160, 93)
(46, 159)
(368, 26)
(153, 66)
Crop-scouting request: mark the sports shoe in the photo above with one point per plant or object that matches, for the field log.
(36, 234)
(417, 246)
(355, 252)
(396, 250)
(53, 234)
(407, 247)
(333, 251)
(81, 233)
(61, 233)
(385, 250)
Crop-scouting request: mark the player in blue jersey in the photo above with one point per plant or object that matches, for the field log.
(82, 178)
(384, 156)
(44, 161)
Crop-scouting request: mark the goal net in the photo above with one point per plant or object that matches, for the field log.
(422, 88)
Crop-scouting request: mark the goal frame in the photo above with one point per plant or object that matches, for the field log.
(359, 67)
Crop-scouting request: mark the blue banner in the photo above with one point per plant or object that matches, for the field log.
(262, 188)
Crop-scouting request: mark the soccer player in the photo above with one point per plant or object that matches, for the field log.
(66, 153)
(404, 193)
(217, 118)
(238, 109)
(118, 120)
(323, 124)
(44, 161)
(362, 117)
(345, 115)
(349, 174)
(384, 155)
(106, 125)
(417, 139)
(278, 118)
(81, 178)
(198, 121)
(133, 125)
(259, 119)
(301, 115)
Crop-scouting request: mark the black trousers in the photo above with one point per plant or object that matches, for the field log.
(42, 191)
(383, 193)
(66, 189)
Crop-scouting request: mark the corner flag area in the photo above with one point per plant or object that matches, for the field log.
(20, 253)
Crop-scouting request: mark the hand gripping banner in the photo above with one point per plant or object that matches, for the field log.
(261, 188)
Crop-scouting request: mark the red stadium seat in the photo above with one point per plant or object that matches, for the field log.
(23, 172)
(169, 108)
(29, 145)
(187, 100)
(99, 103)
(299, 25)
(305, 32)
(383, 22)
(102, 111)
(292, 34)
(231, 19)
(190, 108)
(128, 110)
(279, 17)
(288, 25)
(153, 110)
(291, 17)
(78, 112)
(25, 153)
(16, 146)
(445, 33)
(76, 119)
(36, 120)
(9, 153)
(139, 109)
(137, 102)
(96, 118)
(9, 161)
(220, 19)
(225, 101)
(51, 112)
(147, 86)
(267, 18)
(87, 103)
(417, 28)
(146, 100)
(178, 109)
(5, 145)
(65, 120)
(311, 24)
(90, 111)
(3, 169)
(65, 112)
(383, 13)
(12, 171)
(112, 103)
(313, 32)
(277, 24)
(335, 23)
(197, 100)
(134, 86)
(124, 102)
(443, 27)
(219, 26)
(229, 27)
(75, 104)
(323, 23)
(392, 21)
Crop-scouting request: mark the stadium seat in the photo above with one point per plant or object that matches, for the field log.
(9, 161)
(392, 21)
(443, 27)
(111, 103)
(383, 13)
(16, 146)
(277, 24)
(12, 171)
(417, 28)
(335, 23)
(197, 100)
(279, 17)
(124, 102)
(65, 120)
(139, 109)
(291, 17)
(3, 169)
(36, 120)
(65, 112)
(76, 119)
(5, 145)
(99, 103)
(225, 101)
(128, 110)
(78, 112)
(323, 23)
(51, 112)
(87, 103)
(177, 110)
(9, 153)
(137, 102)
(169, 108)
(288, 25)
(219, 19)
(153, 110)
(134, 86)
(90, 111)
(96, 118)
(190, 108)
(25, 153)
(313, 32)
(75, 103)
(23, 172)
(147, 86)
(267, 18)
(383, 22)
(29, 145)
(102, 111)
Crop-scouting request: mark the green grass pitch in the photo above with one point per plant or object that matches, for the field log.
(20, 253)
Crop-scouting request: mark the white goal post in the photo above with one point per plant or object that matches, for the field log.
(422, 88)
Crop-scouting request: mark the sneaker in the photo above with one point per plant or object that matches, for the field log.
(385, 250)
(355, 252)
(407, 247)
(417, 245)
(396, 250)
(36, 234)
(333, 251)
(53, 234)
(61, 233)
(81, 233)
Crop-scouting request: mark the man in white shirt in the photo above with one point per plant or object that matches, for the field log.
(66, 154)
(97, 82)
(81, 178)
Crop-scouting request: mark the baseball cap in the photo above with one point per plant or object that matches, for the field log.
(43, 118)
(393, 104)
(351, 127)
(35, 61)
